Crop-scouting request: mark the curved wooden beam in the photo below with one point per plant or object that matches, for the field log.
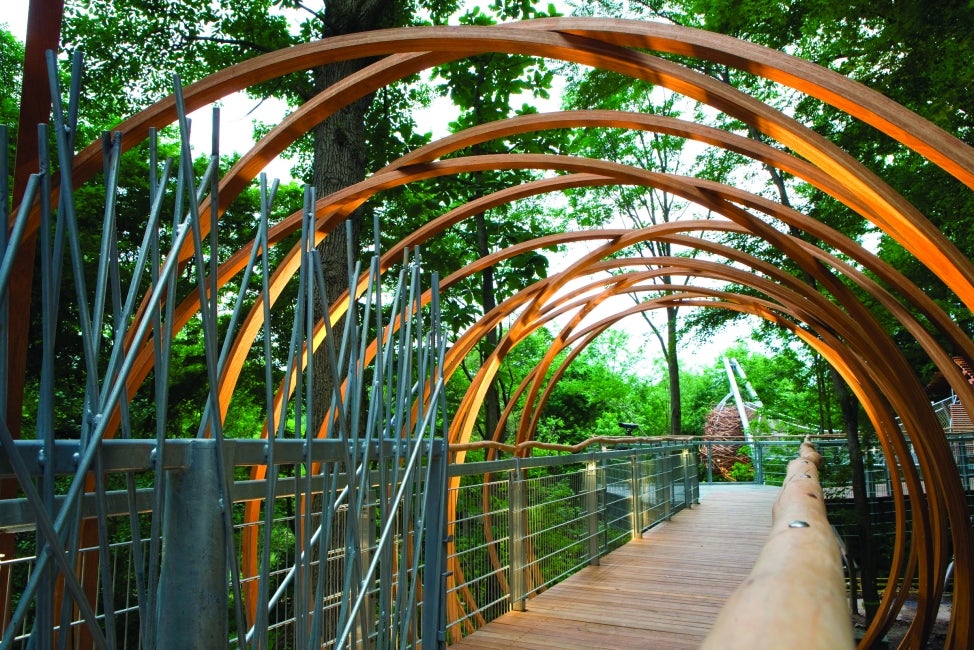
(608, 44)
(838, 355)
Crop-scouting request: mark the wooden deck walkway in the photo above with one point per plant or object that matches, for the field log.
(662, 591)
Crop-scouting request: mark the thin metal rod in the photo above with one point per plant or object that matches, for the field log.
(208, 311)
(162, 331)
(270, 502)
(12, 244)
(97, 433)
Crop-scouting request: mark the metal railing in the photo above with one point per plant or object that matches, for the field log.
(193, 580)
(524, 524)
(321, 525)
(765, 461)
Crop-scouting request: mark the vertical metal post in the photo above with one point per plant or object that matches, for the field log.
(591, 486)
(637, 507)
(667, 486)
(758, 462)
(710, 465)
(687, 486)
(367, 536)
(192, 605)
(434, 551)
(517, 511)
(869, 462)
(963, 462)
(889, 479)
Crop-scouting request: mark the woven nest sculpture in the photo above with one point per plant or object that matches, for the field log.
(724, 424)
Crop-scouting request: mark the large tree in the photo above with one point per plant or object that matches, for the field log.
(11, 63)
(133, 48)
(485, 88)
(637, 207)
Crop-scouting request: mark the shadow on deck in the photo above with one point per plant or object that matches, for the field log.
(661, 591)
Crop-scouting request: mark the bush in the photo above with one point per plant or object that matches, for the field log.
(742, 472)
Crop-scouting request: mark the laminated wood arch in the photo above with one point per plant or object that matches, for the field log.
(771, 311)
(867, 360)
(849, 272)
(865, 390)
(413, 49)
(712, 195)
(348, 199)
(853, 325)
(930, 571)
(708, 194)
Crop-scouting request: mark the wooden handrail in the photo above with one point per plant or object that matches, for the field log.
(572, 449)
(604, 440)
(795, 594)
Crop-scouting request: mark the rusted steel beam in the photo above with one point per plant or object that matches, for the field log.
(795, 594)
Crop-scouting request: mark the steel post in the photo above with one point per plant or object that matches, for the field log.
(434, 551)
(668, 490)
(964, 463)
(710, 464)
(591, 486)
(517, 511)
(192, 605)
(367, 535)
(869, 457)
(758, 462)
(637, 507)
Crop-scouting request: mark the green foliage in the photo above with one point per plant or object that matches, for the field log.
(700, 391)
(11, 67)
(134, 46)
(742, 472)
(602, 387)
(188, 377)
(916, 53)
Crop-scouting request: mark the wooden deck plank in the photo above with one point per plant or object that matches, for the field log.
(661, 591)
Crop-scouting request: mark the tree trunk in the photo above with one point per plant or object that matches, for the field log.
(673, 369)
(340, 160)
(492, 401)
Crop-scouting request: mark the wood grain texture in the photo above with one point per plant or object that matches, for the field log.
(661, 591)
(795, 595)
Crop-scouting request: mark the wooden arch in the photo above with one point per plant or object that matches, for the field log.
(868, 360)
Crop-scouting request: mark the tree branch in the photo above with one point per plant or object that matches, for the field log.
(229, 41)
